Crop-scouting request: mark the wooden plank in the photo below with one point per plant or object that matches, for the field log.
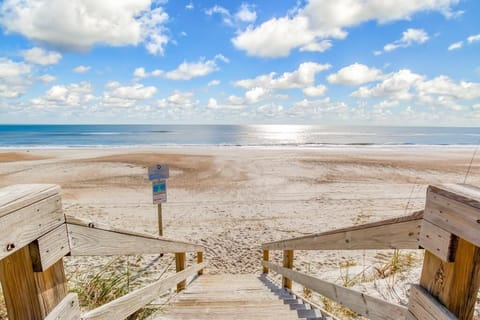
(287, 263)
(131, 302)
(397, 233)
(452, 215)
(454, 284)
(463, 193)
(441, 243)
(265, 258)
(27, 224)
(67, 309)
(368, 306)
(49, 248)
(15, 197)
(19, 288)
(425, 307)
(86, 241)
(180, 260)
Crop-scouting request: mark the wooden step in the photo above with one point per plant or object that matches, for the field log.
(238, 297)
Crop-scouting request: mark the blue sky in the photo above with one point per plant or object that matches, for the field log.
(371, 62)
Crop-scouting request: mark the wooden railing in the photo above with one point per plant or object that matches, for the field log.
(449, 231)
(35, 236)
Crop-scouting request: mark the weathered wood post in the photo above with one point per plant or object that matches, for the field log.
(451, 269)
(287, 263)
(265, 258)
(200, 260)
(32, 278)
(180, 258)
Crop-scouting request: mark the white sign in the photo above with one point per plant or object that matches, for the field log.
(159, 189)
(158, 172)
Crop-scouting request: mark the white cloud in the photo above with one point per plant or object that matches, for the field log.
(46, 78)
(214, 105)
(178, 100)
(157, 73)
(474, 38)
(79, 25)
(72, 95)
(190, 6)
(213, 83)
(254, 95)
(189, 70)
(81, 69)
(304, 76)
(397, 85)
(409, 37)
(443, 85)
(319, 46)
(326, 19)
(14, 78)
(355, 74)
(40, 56)
(455, 46)
(224, 13)
(315, 91)
(134, 92)
(140, 73)
(246, 13)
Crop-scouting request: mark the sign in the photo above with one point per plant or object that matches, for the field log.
(158, 172)
(159, 189)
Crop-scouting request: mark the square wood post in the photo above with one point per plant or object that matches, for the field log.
(287, 263)
(200, 260)
(180, 258)
(265, 258)
(29, 294)
(451, 267)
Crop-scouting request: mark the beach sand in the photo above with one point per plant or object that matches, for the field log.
(234, 199)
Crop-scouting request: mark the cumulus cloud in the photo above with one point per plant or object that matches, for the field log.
(246, 14)
(397, 85)
(81, 69)
(354, 74)
(190, 70)
(140, 73)
(119, 95)
(178, 100)
(14, 78)
(304, 76)
(409, 37)
(474, 38)
(325, 19)
(214, 105)
(315, 91)
(72, 95)
(79, 25)
(190, 6)
(40, 56)
(455, 46)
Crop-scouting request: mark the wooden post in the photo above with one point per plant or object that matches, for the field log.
(180, 258)
(160, 221)
(29, 294)
(265, 258)
(200, 260)
(287, 263)
(455, 211)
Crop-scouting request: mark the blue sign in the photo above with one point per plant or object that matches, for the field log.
(158, 172)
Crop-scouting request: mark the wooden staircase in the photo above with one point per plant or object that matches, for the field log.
(239, 296)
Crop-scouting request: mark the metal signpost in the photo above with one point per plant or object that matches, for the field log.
(158, 175)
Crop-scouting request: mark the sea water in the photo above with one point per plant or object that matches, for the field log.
(310, 136)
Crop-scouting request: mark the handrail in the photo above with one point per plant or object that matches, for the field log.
(126, 305)
(35, 236)
(449, 231)
(363, 304)
(396, 233)
(89, 238)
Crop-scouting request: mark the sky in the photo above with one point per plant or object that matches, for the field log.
(345, 62)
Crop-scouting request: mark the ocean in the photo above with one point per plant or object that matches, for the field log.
(307, 136)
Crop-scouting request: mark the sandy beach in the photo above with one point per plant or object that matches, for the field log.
(233, 199)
